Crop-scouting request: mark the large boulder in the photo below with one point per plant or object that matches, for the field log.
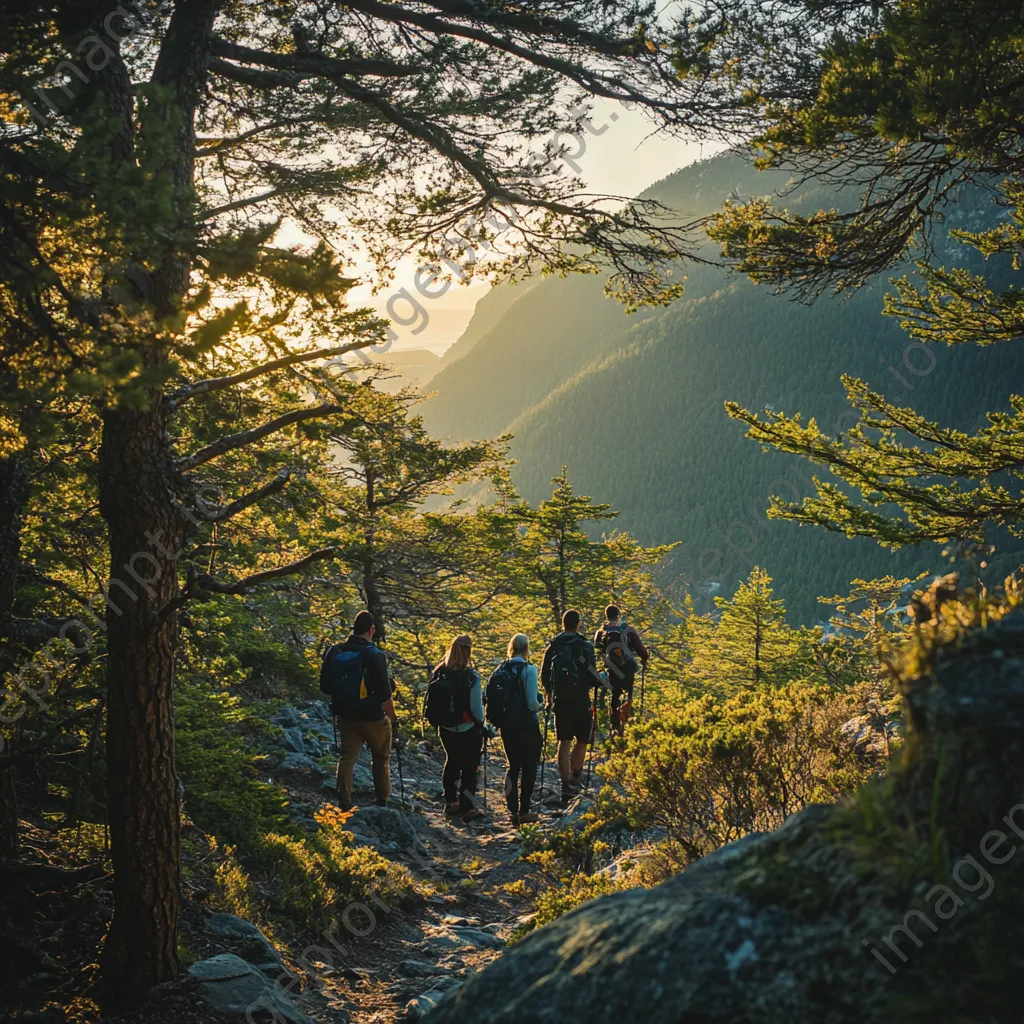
(231, 986)
(386, 824)
(874, 910)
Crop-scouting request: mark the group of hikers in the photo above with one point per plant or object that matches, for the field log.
(466, 713)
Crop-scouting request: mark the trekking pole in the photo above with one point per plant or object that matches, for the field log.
(334, 726)
(544, 748)
(593, 739)
(485, 769)
(401, 777)
(643, 679)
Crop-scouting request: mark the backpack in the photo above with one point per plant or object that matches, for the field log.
(343, 677)
(447, 703)
(569, 679)
(621, 662)
(506, 697)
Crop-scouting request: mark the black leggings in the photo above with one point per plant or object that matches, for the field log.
(522, 752)
(462, 759)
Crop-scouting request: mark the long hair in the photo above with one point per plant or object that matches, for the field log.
(519, 646)
(460, 654)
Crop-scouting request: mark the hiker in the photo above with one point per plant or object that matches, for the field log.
(512, 702)
(620, 647)
(568, 674)
(455, 706)
(355, 674)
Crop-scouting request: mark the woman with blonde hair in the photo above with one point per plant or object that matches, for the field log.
(513, 700)
(462, 739)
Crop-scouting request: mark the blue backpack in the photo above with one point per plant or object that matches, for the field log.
(343, 677)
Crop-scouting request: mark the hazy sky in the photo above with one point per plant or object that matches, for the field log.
(619, 157)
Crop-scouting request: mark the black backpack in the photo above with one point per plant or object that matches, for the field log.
(447, 702)
(569, 680)
(506, 697)
(613, 643)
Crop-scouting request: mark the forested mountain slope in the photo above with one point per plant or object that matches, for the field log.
(634, 405)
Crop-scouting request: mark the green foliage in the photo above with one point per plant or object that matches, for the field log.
(312, 880)
(914, 106)
(719, 768)
(217, 733)
(633, 406)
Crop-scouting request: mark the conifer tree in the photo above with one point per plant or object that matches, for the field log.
(747, 643)
(904, 128)
(147, 161)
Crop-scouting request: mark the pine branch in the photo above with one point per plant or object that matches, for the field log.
(310, 65)
(247, 437)
(242, 586)
(205, 387)
(242, 503)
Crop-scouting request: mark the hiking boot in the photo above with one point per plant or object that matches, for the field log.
(514, 818)
(473, 814)
(575, 785)
(452, 810)
(528, 818)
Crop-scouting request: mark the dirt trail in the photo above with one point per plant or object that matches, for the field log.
(414, 955)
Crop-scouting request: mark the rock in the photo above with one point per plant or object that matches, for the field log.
(451, 919)
(246, 940)
(300, 764)
(232, 986)
(416, 969)
(478, 938)
(422, 1005)
(387, 824)
(293, 740)
(442, 942)
(287, 717)
(870, 735)
(796, 925)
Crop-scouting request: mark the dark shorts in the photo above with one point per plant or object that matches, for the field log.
(573, 721)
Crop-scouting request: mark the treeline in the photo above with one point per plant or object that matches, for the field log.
(635, 406)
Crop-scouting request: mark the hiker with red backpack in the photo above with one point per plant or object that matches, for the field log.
(355, 676)
(568, 674)
(512, 701)
(455, 707)
(621, 648)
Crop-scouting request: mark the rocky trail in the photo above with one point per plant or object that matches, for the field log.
(386, 961)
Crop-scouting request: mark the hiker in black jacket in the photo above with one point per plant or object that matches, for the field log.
(568, 675)
(360, 690)
(622, 651)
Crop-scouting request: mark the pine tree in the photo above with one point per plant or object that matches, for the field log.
(747, 643)
(867, 112)
(143, 192)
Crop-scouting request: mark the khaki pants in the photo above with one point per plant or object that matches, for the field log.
(377, 736)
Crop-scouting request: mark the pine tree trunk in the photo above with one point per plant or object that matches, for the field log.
(146, 533)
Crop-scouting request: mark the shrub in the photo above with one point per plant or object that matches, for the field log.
(313, 879)
(719, 768)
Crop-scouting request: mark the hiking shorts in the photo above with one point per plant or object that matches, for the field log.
(573, 721)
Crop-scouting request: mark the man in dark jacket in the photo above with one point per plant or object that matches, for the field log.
(621, 649)
(568, 675)
(370, 718)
